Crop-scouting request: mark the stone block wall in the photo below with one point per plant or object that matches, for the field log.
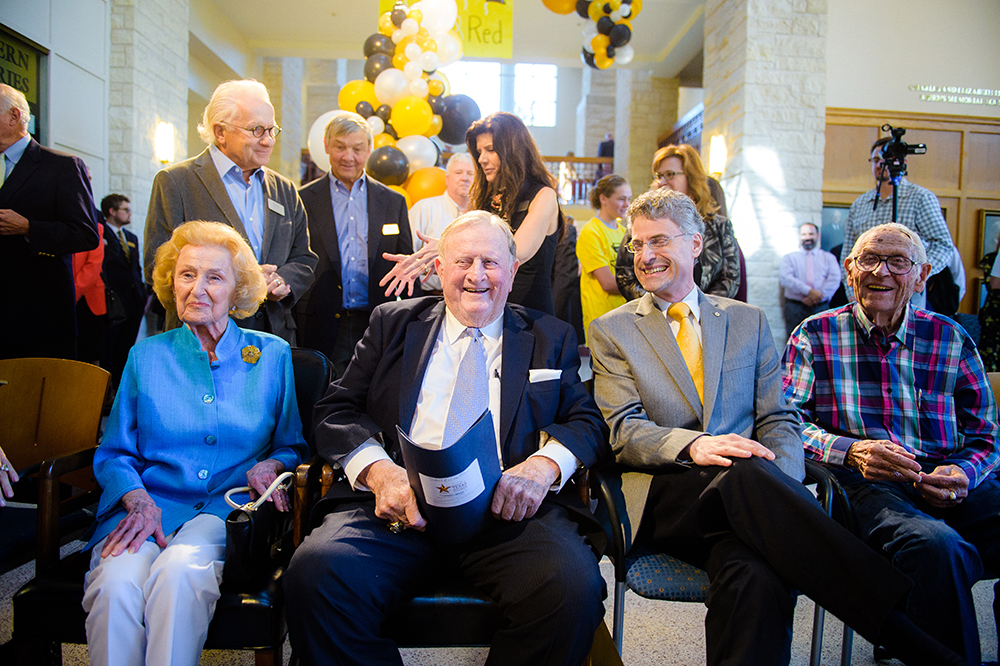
(283, 78)
(765, 92)
(148, 84)
(646, 109)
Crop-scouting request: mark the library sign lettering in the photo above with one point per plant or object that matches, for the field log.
(958, 95)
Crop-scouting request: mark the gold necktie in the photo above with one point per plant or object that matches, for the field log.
(687, 340)
(123, 239)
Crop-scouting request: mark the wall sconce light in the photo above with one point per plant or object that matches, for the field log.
(163, 144)
(717, 156)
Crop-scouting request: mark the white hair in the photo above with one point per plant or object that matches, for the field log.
(14, 99)
(919, 252)
(465, 158)
(225, 104)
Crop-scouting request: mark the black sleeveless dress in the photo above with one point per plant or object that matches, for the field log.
(533, 283)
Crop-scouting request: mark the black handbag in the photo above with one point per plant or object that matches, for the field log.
(258, 536)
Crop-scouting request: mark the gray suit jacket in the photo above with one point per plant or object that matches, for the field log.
(650, 402)
(193, 190)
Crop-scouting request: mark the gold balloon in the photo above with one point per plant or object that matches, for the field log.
(416, 15)
(385, 25)
(636, 8)
(399, 60)
(424, 183)
(384, 139)
(596, 10)
(560, 6)
(411, 115)
(602, 60)
(600, 44)
(357, 91)
(435, 86)
(436, 124)
(406, 195)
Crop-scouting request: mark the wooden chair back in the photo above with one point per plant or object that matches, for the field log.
(49, 408)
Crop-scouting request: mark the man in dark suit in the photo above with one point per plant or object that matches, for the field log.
(691, 389)
(45, 216)
(370, 549)
(353, 221)
(122, 281)
(230, 183)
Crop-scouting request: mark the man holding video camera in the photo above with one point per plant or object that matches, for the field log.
(918, 209)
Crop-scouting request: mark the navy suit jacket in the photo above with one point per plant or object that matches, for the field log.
(123, 274)
(381, 386)
(52, 190)
(318, 311)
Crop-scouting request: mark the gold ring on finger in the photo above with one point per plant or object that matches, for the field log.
(952, 496)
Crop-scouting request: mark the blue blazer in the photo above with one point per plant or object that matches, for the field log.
(187, 430)
(381, 386)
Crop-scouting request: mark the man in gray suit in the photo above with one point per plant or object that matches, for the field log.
(695, 407)
(229, 183)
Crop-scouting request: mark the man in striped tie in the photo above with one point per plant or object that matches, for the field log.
(690, 386)
(432, 367)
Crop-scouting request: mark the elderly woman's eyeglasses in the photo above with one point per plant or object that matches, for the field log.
(655, 243)
(896, 264)
(667, 175)
(259, 131)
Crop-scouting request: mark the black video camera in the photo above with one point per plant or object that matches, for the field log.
(894, 153)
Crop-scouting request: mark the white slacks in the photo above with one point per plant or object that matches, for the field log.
(153, 606)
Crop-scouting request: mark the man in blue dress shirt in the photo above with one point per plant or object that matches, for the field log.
(353, 220)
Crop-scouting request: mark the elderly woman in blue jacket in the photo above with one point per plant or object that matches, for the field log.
(200, 409)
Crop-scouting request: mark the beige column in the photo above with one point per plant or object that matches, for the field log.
(595, 114)
(765, 93)
(646, 109)
(283, 78)
(148, 84)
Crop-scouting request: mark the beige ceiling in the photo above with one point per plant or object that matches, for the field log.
(667, 34)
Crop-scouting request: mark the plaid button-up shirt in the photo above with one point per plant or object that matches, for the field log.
(923, 387)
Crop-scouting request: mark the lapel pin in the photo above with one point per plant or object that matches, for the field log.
(251, 354)
(716, 313)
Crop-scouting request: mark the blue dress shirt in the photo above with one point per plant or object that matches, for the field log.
(350, 211)
(248, 199)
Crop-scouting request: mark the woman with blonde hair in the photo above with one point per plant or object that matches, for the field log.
(200, 409)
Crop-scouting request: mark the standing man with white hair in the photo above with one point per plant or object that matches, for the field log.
(229, 183)
(45, 216)
(354, 220)
(430, 216)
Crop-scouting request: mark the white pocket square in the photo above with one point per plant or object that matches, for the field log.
(543, 375)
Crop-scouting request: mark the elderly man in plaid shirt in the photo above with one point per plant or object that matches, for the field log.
(895, 398)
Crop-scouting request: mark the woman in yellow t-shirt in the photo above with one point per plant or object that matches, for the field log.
(597, 248)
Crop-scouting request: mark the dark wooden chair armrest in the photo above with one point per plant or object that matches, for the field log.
(50, 508)
(313, 480)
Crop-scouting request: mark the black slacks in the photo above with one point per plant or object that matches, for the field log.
(351, 572)
(760, 536)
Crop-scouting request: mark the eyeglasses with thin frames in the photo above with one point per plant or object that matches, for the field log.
(258, 131)
(896, 264)
(667, 175)
(655, 243)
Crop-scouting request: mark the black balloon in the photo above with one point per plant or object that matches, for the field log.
(384, 112)
(620, 35)
(588, 58)
(388, 165)
(607, 8)
(437, 103)
(604, 25)
(375, 65)
(391, 131)
(379, 43)
(364, 108)
(398, 15)
(583, 8)
(610, 50)
(459, 112)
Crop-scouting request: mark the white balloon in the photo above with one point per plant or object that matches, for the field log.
(418, 88)
(587, 46)
(419, 150)
(409, 27)
(438, 15)
(614, 16)
(376, 124)
(590, 30)
(397, 36)
(390, 86)
(412, 51)
(412, 70)
(315, 141)
(624, 54)
(625, 11)
(429, 61)
(449, 50)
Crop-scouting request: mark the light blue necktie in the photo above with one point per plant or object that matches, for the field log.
(471, 396)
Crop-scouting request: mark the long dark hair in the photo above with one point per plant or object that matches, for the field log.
(520, 162)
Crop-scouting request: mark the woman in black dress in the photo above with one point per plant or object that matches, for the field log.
(513, 183)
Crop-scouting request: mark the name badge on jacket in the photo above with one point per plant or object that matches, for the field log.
(390, 229)
(275, 206)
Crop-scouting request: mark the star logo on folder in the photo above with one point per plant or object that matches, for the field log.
(443, 488)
